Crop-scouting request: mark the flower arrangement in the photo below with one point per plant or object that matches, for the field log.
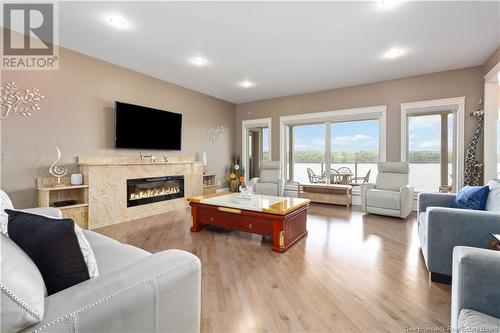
(236, 174)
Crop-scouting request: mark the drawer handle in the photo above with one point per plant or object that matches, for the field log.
(212, 219)
(250, 226)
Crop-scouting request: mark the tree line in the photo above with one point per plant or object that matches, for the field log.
(363, 157)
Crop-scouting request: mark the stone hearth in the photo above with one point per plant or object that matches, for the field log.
(107, 179)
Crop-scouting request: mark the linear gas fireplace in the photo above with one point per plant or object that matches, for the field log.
(148, 190)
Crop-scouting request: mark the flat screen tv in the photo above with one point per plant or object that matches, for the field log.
(140, 127)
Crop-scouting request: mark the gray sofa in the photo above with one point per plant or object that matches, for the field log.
(441, 228)
(475, 293)
(136, 291)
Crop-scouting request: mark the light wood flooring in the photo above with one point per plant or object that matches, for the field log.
(352, 273)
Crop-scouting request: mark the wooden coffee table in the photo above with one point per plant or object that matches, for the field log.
(283, 219)
(494, 243)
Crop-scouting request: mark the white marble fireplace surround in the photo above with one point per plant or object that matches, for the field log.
(107, 180)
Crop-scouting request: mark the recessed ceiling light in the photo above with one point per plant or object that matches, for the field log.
(387, 4)
(198, 61)
(246, 84)
(394, 53)
(117, 22)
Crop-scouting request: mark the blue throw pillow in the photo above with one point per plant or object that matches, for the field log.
(472, 197)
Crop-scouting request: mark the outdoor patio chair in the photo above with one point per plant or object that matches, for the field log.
(335, 177)
(344, 170)
(314, 178)
(361, 180)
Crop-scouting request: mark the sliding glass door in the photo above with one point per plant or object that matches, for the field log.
(431, 151)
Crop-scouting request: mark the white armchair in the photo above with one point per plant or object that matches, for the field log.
(270, 181)
(390, 195)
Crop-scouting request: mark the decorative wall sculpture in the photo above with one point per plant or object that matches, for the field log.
(13, 101)
(215, 133)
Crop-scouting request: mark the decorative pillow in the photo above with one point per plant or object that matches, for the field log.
(52, 245)
(87, 252)
(471, 197)
(493, 203)
(22, 289)
(5, 203)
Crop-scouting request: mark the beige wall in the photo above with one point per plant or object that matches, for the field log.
(78, 116)
(492, 61)
(464, 82)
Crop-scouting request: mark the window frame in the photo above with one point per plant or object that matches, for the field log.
(356, 114)
(455, 105)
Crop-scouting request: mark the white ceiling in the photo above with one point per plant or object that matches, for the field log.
(286, 48)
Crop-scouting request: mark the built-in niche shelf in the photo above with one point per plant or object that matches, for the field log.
(49, 191)
(209, 185)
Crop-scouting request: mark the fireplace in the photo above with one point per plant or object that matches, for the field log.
(148, 190)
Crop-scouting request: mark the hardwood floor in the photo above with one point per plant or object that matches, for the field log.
(351, 273)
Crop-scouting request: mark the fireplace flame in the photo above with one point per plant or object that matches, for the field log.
(154, 192)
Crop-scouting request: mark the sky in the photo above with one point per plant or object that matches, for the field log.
(346, 137)
(425, 135)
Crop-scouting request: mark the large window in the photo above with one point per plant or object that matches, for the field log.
(430, 151)
(314, 146)
(308, 157)
(355, 150)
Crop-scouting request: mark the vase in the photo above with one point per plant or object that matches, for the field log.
(233, 185)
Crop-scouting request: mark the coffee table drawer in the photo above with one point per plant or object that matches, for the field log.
(251, 224)
(213, 217)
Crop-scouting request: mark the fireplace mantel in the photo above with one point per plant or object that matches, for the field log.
(107, 179)
(133, 160)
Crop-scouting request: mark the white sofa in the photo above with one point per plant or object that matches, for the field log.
(136, 291)
(390, 195)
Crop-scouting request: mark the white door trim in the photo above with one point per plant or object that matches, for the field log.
(365, 113)
(491, 88)
(456, 105)
(245, 126)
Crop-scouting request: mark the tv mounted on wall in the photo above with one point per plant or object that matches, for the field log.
(140, 127)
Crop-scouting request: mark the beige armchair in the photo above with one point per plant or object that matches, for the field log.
(390, 195)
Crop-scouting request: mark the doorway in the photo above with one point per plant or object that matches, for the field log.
(258, 149)
(256, 145)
